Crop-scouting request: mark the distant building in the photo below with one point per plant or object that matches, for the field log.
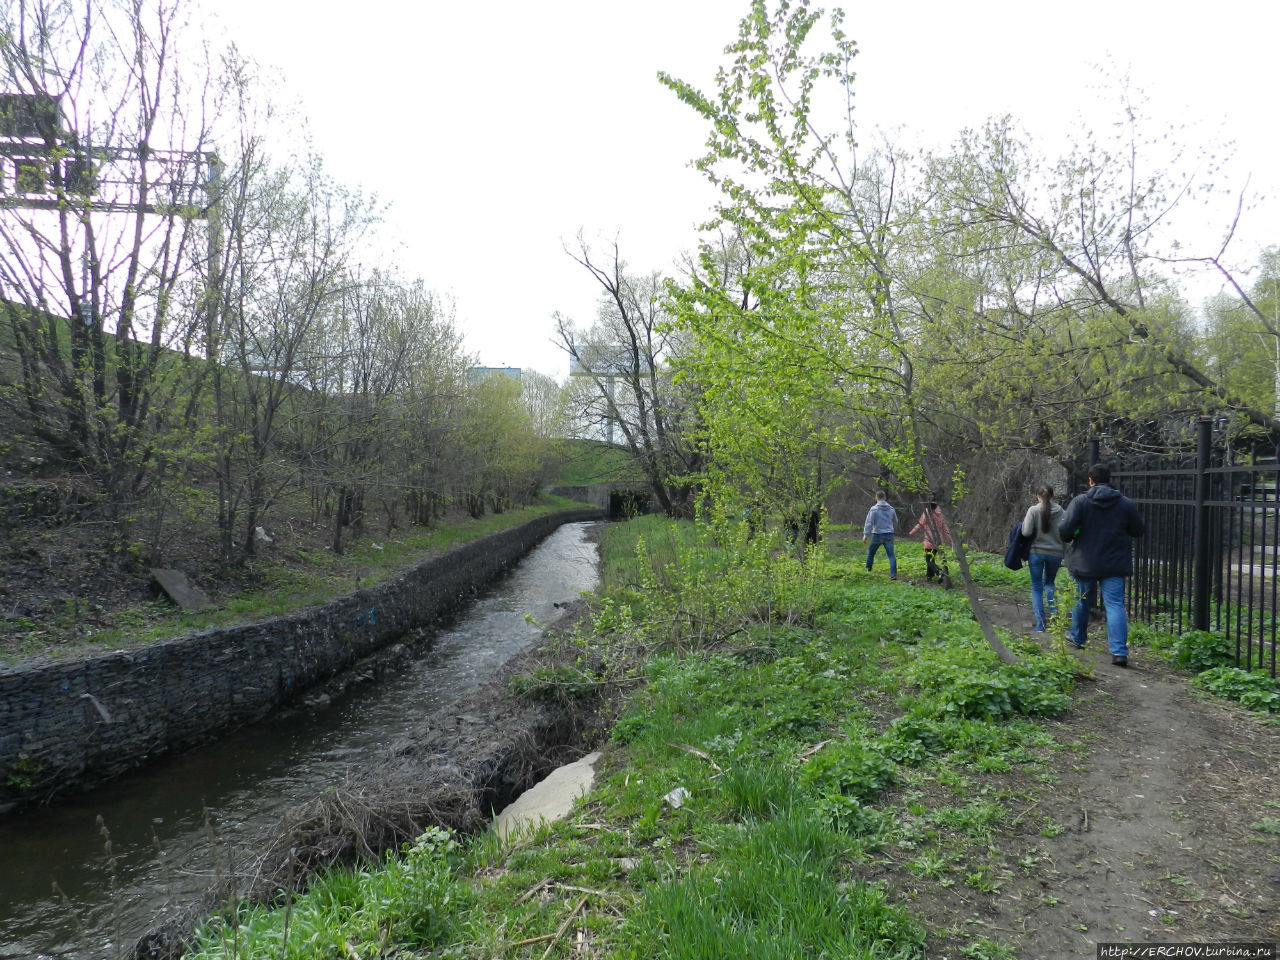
(476, 374)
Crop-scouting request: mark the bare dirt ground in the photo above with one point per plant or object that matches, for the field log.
(1145, 837)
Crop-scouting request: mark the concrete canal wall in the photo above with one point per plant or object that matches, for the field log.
(68, 725)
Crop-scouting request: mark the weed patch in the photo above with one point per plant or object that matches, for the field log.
(1254, 691)
(968, 680)
(409, 899)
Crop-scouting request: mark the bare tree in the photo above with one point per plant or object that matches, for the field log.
(102, 229)
(282, 278)
(622, 363)
(373, 342)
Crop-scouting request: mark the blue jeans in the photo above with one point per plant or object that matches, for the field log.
(1112, 590)
(885, 540)
(1044, 571)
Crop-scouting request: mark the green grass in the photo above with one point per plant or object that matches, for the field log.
(349, 912)
(987, 569)
(664, 541)
(855, 721)
(583, 462)
(1211, 659)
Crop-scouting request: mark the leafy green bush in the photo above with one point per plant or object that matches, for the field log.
(853, 818)
(853, 768)
(969, 681)
(1203, 650)
(425, 886)
(693, 584)
(1142, 634)
(1253, 691)
(914, 738)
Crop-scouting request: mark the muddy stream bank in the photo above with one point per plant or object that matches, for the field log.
(192, 822)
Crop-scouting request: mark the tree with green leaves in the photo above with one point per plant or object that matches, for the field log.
(501, 455)
(544, 399)
(1242, 335)
(792, 195)
(1015, 355)
(773, 421)
(1094, 220)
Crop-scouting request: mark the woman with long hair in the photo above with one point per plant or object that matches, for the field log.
(1041, 522)
(936, 534)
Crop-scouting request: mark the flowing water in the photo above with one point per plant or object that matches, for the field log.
(173, 827)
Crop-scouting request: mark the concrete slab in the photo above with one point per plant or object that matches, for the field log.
(179, 588)
(549, 800)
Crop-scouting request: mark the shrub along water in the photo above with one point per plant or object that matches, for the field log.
(787, 719)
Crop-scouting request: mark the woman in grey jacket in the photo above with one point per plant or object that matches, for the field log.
(1041, 522)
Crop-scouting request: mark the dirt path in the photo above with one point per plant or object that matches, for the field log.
(1156, 796)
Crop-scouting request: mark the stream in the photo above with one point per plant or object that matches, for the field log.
(172, 828)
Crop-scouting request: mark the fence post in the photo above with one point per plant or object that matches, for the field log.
(1201, 581)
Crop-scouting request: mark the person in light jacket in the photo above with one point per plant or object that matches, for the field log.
(1041, 522)
(882, 520)
(1100, 525)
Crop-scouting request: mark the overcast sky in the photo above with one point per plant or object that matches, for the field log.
(499, 130)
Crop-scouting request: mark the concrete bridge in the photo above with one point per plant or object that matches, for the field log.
(619, 500)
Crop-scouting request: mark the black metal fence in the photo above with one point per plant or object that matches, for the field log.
(1210, 559)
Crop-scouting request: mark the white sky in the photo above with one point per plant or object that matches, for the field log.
(499, 130)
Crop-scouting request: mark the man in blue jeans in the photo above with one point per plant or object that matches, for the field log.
(881, 520)
(1100, 525)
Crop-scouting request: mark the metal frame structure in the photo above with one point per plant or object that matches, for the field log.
(44, 166)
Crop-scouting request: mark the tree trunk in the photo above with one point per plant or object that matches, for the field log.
(962, 561)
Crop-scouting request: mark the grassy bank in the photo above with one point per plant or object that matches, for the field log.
(593, 461)
(278, 584)
(806, 750)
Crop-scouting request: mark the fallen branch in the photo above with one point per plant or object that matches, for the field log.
(563, 927)
(804, 755)
(697, 753)
(532, 940)
(586, 890)
(532, 890)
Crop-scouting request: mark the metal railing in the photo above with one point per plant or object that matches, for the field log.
(1210, 559)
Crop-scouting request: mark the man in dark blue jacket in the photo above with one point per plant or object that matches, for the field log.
(1100, 525)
